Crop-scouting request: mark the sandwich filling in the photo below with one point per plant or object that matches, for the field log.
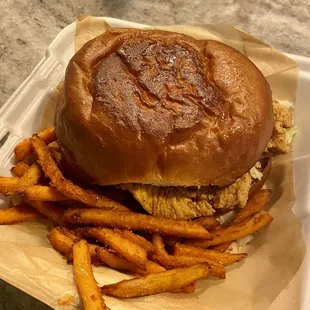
(191, 202)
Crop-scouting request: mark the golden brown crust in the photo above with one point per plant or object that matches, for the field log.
(155, 107)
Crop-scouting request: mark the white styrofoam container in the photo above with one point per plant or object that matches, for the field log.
(21, 114)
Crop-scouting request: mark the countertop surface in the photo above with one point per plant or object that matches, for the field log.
(27, 27)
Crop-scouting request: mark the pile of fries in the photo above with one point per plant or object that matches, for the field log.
(166, 255)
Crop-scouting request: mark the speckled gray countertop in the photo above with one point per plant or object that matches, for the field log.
(28, 26)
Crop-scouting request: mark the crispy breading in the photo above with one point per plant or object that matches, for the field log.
(190, 202)
(280, 142)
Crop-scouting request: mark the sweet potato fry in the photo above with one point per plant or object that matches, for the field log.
(43, 193)
(236, 231)
(255, 204)
(223, 258)
(75, 233)
(9, 186)
(121, 245)
(64, 185)
(135, 221)
(86, 283)
(60, 242)
(24, 148)
(208, 222)
(20, 168)
(142, 242)
(159, 245)
(31, 176)
(152, 267)
(120, 263)
(117, 262)
(124, 232)
(14, 185)
(69, 233)
(48, 209)
(18, 214)
(166, 281)
(170, 262)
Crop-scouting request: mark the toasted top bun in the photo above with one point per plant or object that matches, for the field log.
(161, 108)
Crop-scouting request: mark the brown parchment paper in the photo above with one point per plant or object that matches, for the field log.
(269, 278)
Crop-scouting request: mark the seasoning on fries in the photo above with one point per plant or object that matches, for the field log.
(142, 242)
(60, 242)
(123, 246)
(116, 227)
(49, 209)
(64, 185)
(25, 147)
(236, 231)
(20, 168)
(135, 221)
(118, 262)
(166, 281)
(222, 258)
(43, 193)
(255, 204)
(216, 269)
(86, 283)
(19, 214)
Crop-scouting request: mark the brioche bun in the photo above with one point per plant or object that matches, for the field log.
(161, 108)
